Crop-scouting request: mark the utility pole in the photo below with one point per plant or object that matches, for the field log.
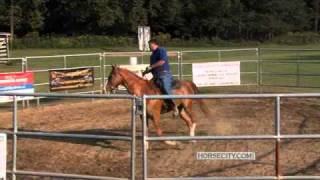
(316, 4)
(11, 20)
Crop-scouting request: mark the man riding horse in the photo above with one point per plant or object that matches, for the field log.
(138, 86)
(160, 69)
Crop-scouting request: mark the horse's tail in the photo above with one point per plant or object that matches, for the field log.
(203, 106)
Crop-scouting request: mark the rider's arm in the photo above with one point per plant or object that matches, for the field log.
(158, 64)
(161, 61)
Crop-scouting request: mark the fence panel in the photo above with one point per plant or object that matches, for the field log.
(276, 136)
(16, 133)
(248, 58)
(40, 66)
(122, 58)
(298, 68)
(11, 65)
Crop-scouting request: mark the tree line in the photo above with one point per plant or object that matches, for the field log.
(185, 19)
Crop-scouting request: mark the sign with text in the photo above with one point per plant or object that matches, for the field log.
(73, 78)
(216, 73)
(16, 83)
(3, 156)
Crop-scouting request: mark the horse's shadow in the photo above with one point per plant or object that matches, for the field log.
(103, 143)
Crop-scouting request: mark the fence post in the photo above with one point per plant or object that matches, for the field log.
(103, 62)
(277, 133)
(101, 72)
(64, 61)
(24, 64)
(259, 70)
(144, 140)
(24, 68)
(298, 74)
(133, 136)
(14, 139)
(179, 64)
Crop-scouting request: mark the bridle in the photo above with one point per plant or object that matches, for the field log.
(112, 87)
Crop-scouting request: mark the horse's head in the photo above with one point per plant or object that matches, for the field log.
(114, 79)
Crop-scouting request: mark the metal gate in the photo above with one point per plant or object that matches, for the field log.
(277, 136)
(17, 133)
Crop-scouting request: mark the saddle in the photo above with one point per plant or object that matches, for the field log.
(176, 84)
(169, 104)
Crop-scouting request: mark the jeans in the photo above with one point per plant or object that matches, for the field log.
(164, 82)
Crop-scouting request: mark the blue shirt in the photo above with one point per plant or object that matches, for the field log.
(157, 55)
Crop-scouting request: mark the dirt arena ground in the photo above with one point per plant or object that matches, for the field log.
(111, 158)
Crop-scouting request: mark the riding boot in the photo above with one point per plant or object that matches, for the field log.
(171, 106)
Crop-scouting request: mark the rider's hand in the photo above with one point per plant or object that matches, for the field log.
(148, 69)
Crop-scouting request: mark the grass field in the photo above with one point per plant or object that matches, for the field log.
(290, 69)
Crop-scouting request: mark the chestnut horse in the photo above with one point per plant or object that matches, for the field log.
(138, 86)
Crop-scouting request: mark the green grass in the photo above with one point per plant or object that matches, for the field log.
(279, 62)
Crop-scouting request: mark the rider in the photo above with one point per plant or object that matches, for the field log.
(160, 69)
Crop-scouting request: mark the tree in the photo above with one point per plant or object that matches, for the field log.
(316, 4)
(137, 15)
(4, 15)
(28, 16)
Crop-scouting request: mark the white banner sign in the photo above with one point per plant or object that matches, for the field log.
(144, 35)
(216, 73)
(3, 156)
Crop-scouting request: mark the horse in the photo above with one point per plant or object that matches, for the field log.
(139, 86)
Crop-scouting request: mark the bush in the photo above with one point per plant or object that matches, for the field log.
(297, 38)
(85, 41)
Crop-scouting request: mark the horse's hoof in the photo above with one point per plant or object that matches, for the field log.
(171, 143)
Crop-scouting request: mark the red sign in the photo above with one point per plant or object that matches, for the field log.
(16, 79)
(16, 83)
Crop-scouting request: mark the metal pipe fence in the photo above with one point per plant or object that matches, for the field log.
(249, 59)
(277, 136)
(289, 67)
(18, 133)
(41, 65)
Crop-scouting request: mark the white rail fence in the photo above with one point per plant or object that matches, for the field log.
(259, 66)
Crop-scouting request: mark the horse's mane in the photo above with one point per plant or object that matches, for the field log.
(150, 84)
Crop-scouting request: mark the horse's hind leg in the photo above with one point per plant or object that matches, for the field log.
(187, 104)
(187, 119)
(156, 122)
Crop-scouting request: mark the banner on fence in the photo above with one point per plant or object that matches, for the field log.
(216, 73)
(16, 83)
(72, 78)
(3, 156)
